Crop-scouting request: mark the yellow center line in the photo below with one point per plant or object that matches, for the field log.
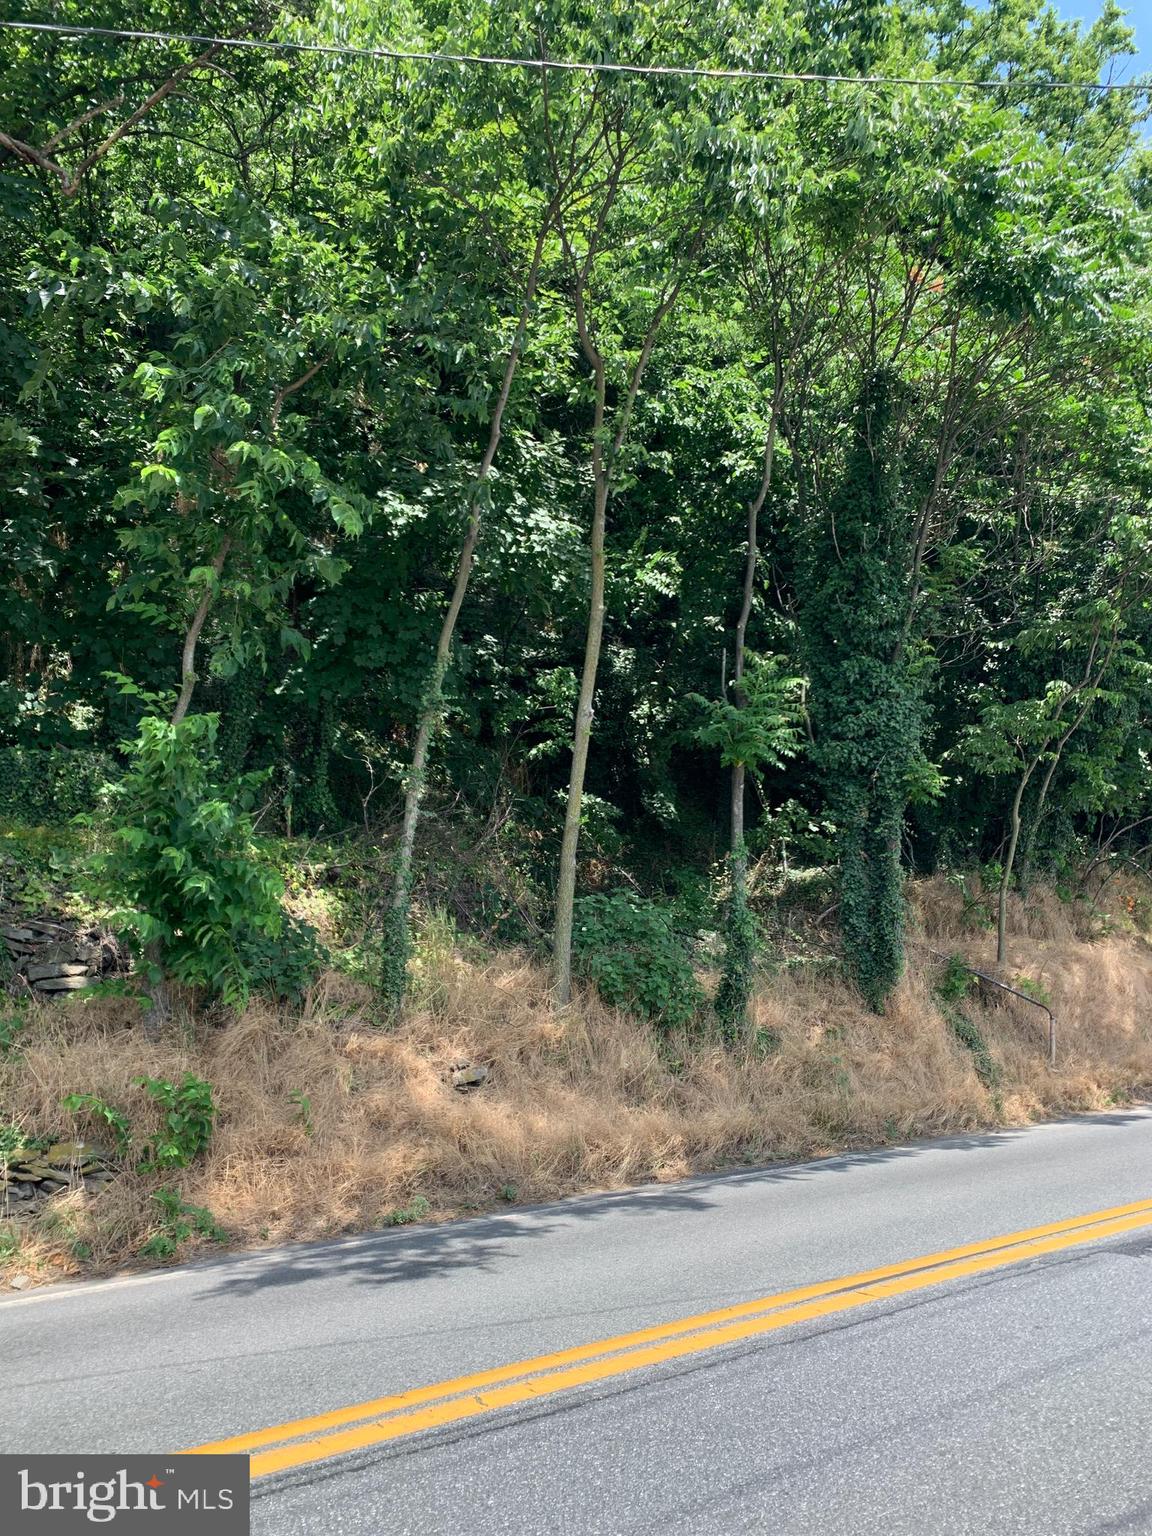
(388, 1418)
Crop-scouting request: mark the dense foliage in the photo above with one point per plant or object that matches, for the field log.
(629, 948)
(865, 713)
(183, 875)
(405, 417)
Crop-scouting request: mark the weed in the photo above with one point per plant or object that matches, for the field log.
(971, 1037)
(840, 1077)
(304, 1104)
(112, 986)
(178, 1222)
(956, 982)
(12, 1142)
(99, 1109)
(1033, 989)
(189, 1114)
(974, 911)
(10, 1027)
(767, 1042)
(404, 1215)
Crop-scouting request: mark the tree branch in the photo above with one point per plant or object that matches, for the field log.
(82, 121)
(71, 182)
(192, 636)
(72, 186)
(290, 389)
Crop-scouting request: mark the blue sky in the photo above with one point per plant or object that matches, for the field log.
(1139, 19)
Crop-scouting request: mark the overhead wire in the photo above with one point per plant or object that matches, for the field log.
(702, 72)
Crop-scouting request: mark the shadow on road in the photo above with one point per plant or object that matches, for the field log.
(383, 1258)
(482, 1243)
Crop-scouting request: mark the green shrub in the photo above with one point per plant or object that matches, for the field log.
(283, 965)
(190, 887)
(38, 868)
(629, 949)
(956, 981)
(189, 1115)
(179, 1222)
(404, 1215)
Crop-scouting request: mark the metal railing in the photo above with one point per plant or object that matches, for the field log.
(1004, 987)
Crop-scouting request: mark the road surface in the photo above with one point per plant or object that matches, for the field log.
(1002, 1389)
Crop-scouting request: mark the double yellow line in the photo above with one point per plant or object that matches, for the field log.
(303, 1441)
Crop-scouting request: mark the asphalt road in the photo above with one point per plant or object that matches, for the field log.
(1018, 1400)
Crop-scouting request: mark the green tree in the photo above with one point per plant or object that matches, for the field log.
(864, 699)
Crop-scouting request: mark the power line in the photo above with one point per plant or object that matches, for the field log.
(577, 66)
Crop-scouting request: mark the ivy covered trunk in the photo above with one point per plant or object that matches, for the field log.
(864, 703)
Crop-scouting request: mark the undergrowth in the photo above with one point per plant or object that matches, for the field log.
(325, 1122)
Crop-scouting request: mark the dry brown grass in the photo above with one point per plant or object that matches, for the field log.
(587, 1100)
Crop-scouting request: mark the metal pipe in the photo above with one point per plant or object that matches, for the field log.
(1004, 987)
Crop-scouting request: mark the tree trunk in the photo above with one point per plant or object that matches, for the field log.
(735, 988)
(1034, 826)
(738, 851)
(1006, 872)
(755, 507)
(159, 1008)
(396, 937)
(1090, 683)
(581, 738)
(1054, 763)
(603, 468)
(192, 635)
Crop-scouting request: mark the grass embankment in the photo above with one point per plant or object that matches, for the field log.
(327, 1124)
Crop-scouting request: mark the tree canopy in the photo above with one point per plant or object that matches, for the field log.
(645, 463)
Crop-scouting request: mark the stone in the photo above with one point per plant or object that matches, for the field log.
(20, 1282)
(64, 983)
(53, 1186)
(19, 935)
(74, 1151)
(54, 968)
(51, 953)
(469, 1077)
